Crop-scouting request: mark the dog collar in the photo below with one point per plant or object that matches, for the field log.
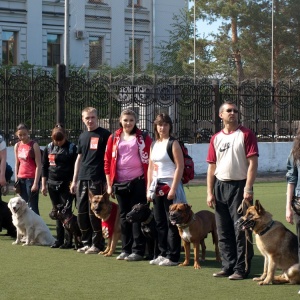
(193, 218)
(267, 228)
(148, 220)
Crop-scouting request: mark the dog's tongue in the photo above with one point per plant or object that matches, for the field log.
(173, 222)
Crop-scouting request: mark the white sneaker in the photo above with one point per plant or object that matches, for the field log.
(299, 292)
(122, 256)
(157, 260)
(167, 262)
(92, 250)
(83, 249)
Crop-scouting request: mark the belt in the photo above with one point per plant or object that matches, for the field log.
(139, 178)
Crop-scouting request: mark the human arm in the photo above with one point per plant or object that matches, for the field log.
(45, 171)
(149, 178)
(251, 175)
(211, 200)
(38, 168)
(3, 156)
(107, 164)
(17, 163)
(179, 165)
(292, 178)
(75, 175)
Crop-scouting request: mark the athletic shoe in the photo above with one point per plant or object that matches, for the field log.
(157, 260)
(168, 262)
(83, 249)
(134, 257)
(122, 256)
(92, 250)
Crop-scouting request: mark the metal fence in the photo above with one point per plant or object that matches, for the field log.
(41, 99)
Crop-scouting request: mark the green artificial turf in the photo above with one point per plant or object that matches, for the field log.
(35, 272)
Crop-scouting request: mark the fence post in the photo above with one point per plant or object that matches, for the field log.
(60, 95)
(217, 121)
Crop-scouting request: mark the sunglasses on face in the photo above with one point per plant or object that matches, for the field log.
(229, 110)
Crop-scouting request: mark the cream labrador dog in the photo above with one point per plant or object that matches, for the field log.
(29, 225)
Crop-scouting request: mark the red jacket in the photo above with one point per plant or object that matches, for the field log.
(110, 160)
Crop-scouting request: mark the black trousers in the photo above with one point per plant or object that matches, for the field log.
(60, 194)
(232, 242)
(169, 241)
(133, 240)
(89, 224)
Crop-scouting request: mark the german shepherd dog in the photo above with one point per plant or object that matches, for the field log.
(109, 213)
(276, 243)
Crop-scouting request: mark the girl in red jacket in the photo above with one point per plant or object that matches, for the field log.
(125, 165)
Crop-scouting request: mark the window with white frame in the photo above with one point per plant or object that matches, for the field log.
(137, 52)
(135, 2)
(9, 48)
(53, 50)
(96, 51)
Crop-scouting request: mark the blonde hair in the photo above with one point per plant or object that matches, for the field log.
(89, 110)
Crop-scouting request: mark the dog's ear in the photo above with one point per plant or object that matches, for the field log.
(260, 210)
(9, 205)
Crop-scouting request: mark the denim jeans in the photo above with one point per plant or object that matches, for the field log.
(31, 198)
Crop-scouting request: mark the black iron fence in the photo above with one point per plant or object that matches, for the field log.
(41, 99)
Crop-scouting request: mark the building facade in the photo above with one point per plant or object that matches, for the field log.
(99, 32)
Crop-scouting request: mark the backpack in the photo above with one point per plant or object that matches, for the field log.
(189, 169)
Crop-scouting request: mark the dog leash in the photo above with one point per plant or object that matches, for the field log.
(242, 210)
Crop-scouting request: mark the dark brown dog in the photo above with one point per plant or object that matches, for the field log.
(194, 228)
(276, 243)
(109, 213)
(69, 221)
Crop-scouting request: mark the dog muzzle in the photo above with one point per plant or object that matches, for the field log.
(242, 224)
(53, 214)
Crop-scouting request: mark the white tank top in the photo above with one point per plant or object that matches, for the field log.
(163, 165)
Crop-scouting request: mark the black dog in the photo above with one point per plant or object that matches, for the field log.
(69, 221)
(142, 213)
(6, 220)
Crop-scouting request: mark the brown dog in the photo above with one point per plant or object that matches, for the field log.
(194, 228)
(276, 243)
(109, 213)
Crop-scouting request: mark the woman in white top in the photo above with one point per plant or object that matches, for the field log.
(165, 175)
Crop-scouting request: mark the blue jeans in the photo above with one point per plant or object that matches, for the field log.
(31, 198)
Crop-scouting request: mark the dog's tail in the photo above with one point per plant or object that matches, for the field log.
(293, 274)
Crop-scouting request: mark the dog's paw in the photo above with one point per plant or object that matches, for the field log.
(16, 242)
(259, 278)
(184, 264)
(108, 254)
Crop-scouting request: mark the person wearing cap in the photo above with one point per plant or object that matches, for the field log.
(125, 165)
(164, 189)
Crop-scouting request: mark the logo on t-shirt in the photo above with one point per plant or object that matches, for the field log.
(94, 143)
(224, 147)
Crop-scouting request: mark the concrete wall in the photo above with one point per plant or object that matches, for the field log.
(272, 156)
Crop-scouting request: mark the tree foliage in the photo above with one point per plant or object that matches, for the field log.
(242, 46)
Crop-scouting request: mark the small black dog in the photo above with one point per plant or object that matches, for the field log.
(142, 213)
(69, 221)
(6, 220)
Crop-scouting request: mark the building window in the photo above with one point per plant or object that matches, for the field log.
(53, 50)
(96, 51)
(9, 48)
(137, 54)
(95, 1)
(135, 2)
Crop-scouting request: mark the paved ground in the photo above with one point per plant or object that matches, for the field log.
(261, 177)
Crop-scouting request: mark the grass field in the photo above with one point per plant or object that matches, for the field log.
(44, 273)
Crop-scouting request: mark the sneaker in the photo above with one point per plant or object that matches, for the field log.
(168, 262)
(122, 256)
(299, 292)
(83, 249)
(157, 260)
(134, 257)
(236, 276)
(222, 273)
(92, 250)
